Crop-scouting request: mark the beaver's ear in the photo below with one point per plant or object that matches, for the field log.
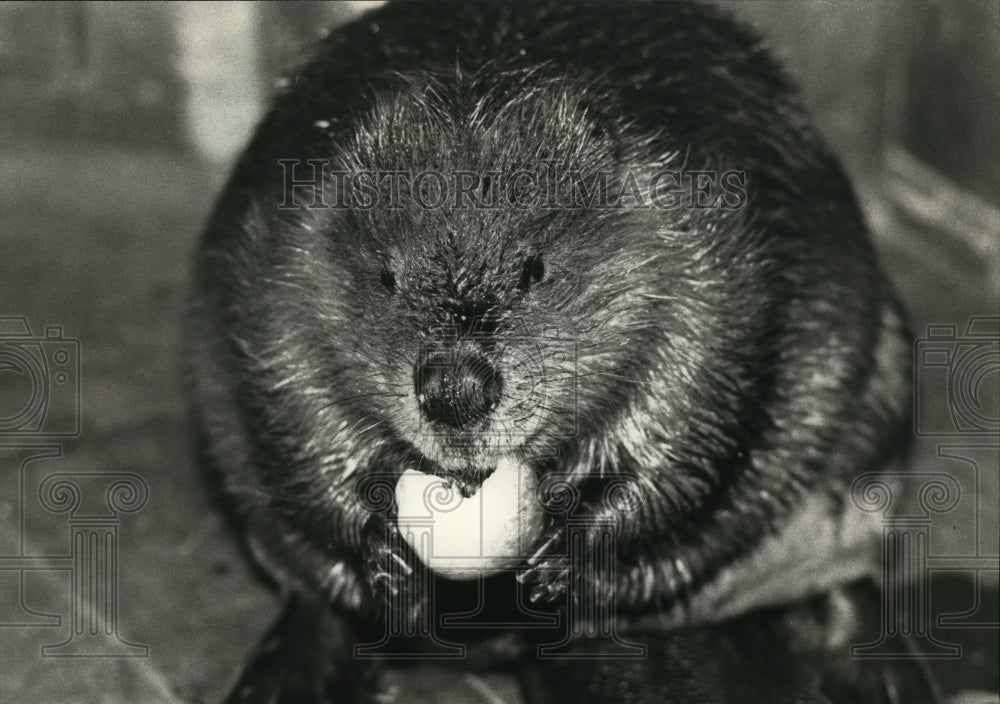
(532, 271)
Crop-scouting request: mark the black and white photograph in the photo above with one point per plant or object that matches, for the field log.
(512, 352)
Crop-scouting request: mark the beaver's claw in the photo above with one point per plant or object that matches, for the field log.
(547, 569)
(387, 570)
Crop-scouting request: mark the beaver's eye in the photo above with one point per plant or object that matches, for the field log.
(532, 272)
(388, 280)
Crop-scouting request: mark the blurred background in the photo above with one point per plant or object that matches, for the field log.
(118, 123)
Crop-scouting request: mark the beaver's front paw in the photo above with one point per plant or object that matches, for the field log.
(388, 571)
(572, 562)
(548, 569)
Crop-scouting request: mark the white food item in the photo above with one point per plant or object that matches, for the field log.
(462, 538)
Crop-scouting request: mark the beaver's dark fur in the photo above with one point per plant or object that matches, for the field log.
(730, 367)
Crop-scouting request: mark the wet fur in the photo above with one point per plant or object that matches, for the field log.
(723, 365)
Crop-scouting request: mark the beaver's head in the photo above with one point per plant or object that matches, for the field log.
(498, 308)
(483, 284)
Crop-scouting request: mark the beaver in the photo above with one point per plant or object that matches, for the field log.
(600, 242)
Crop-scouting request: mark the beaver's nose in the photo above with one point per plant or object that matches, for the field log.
(457, 390)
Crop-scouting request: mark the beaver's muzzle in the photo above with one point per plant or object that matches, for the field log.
(457, 388)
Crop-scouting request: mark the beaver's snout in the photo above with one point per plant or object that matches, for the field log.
(457, 389)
